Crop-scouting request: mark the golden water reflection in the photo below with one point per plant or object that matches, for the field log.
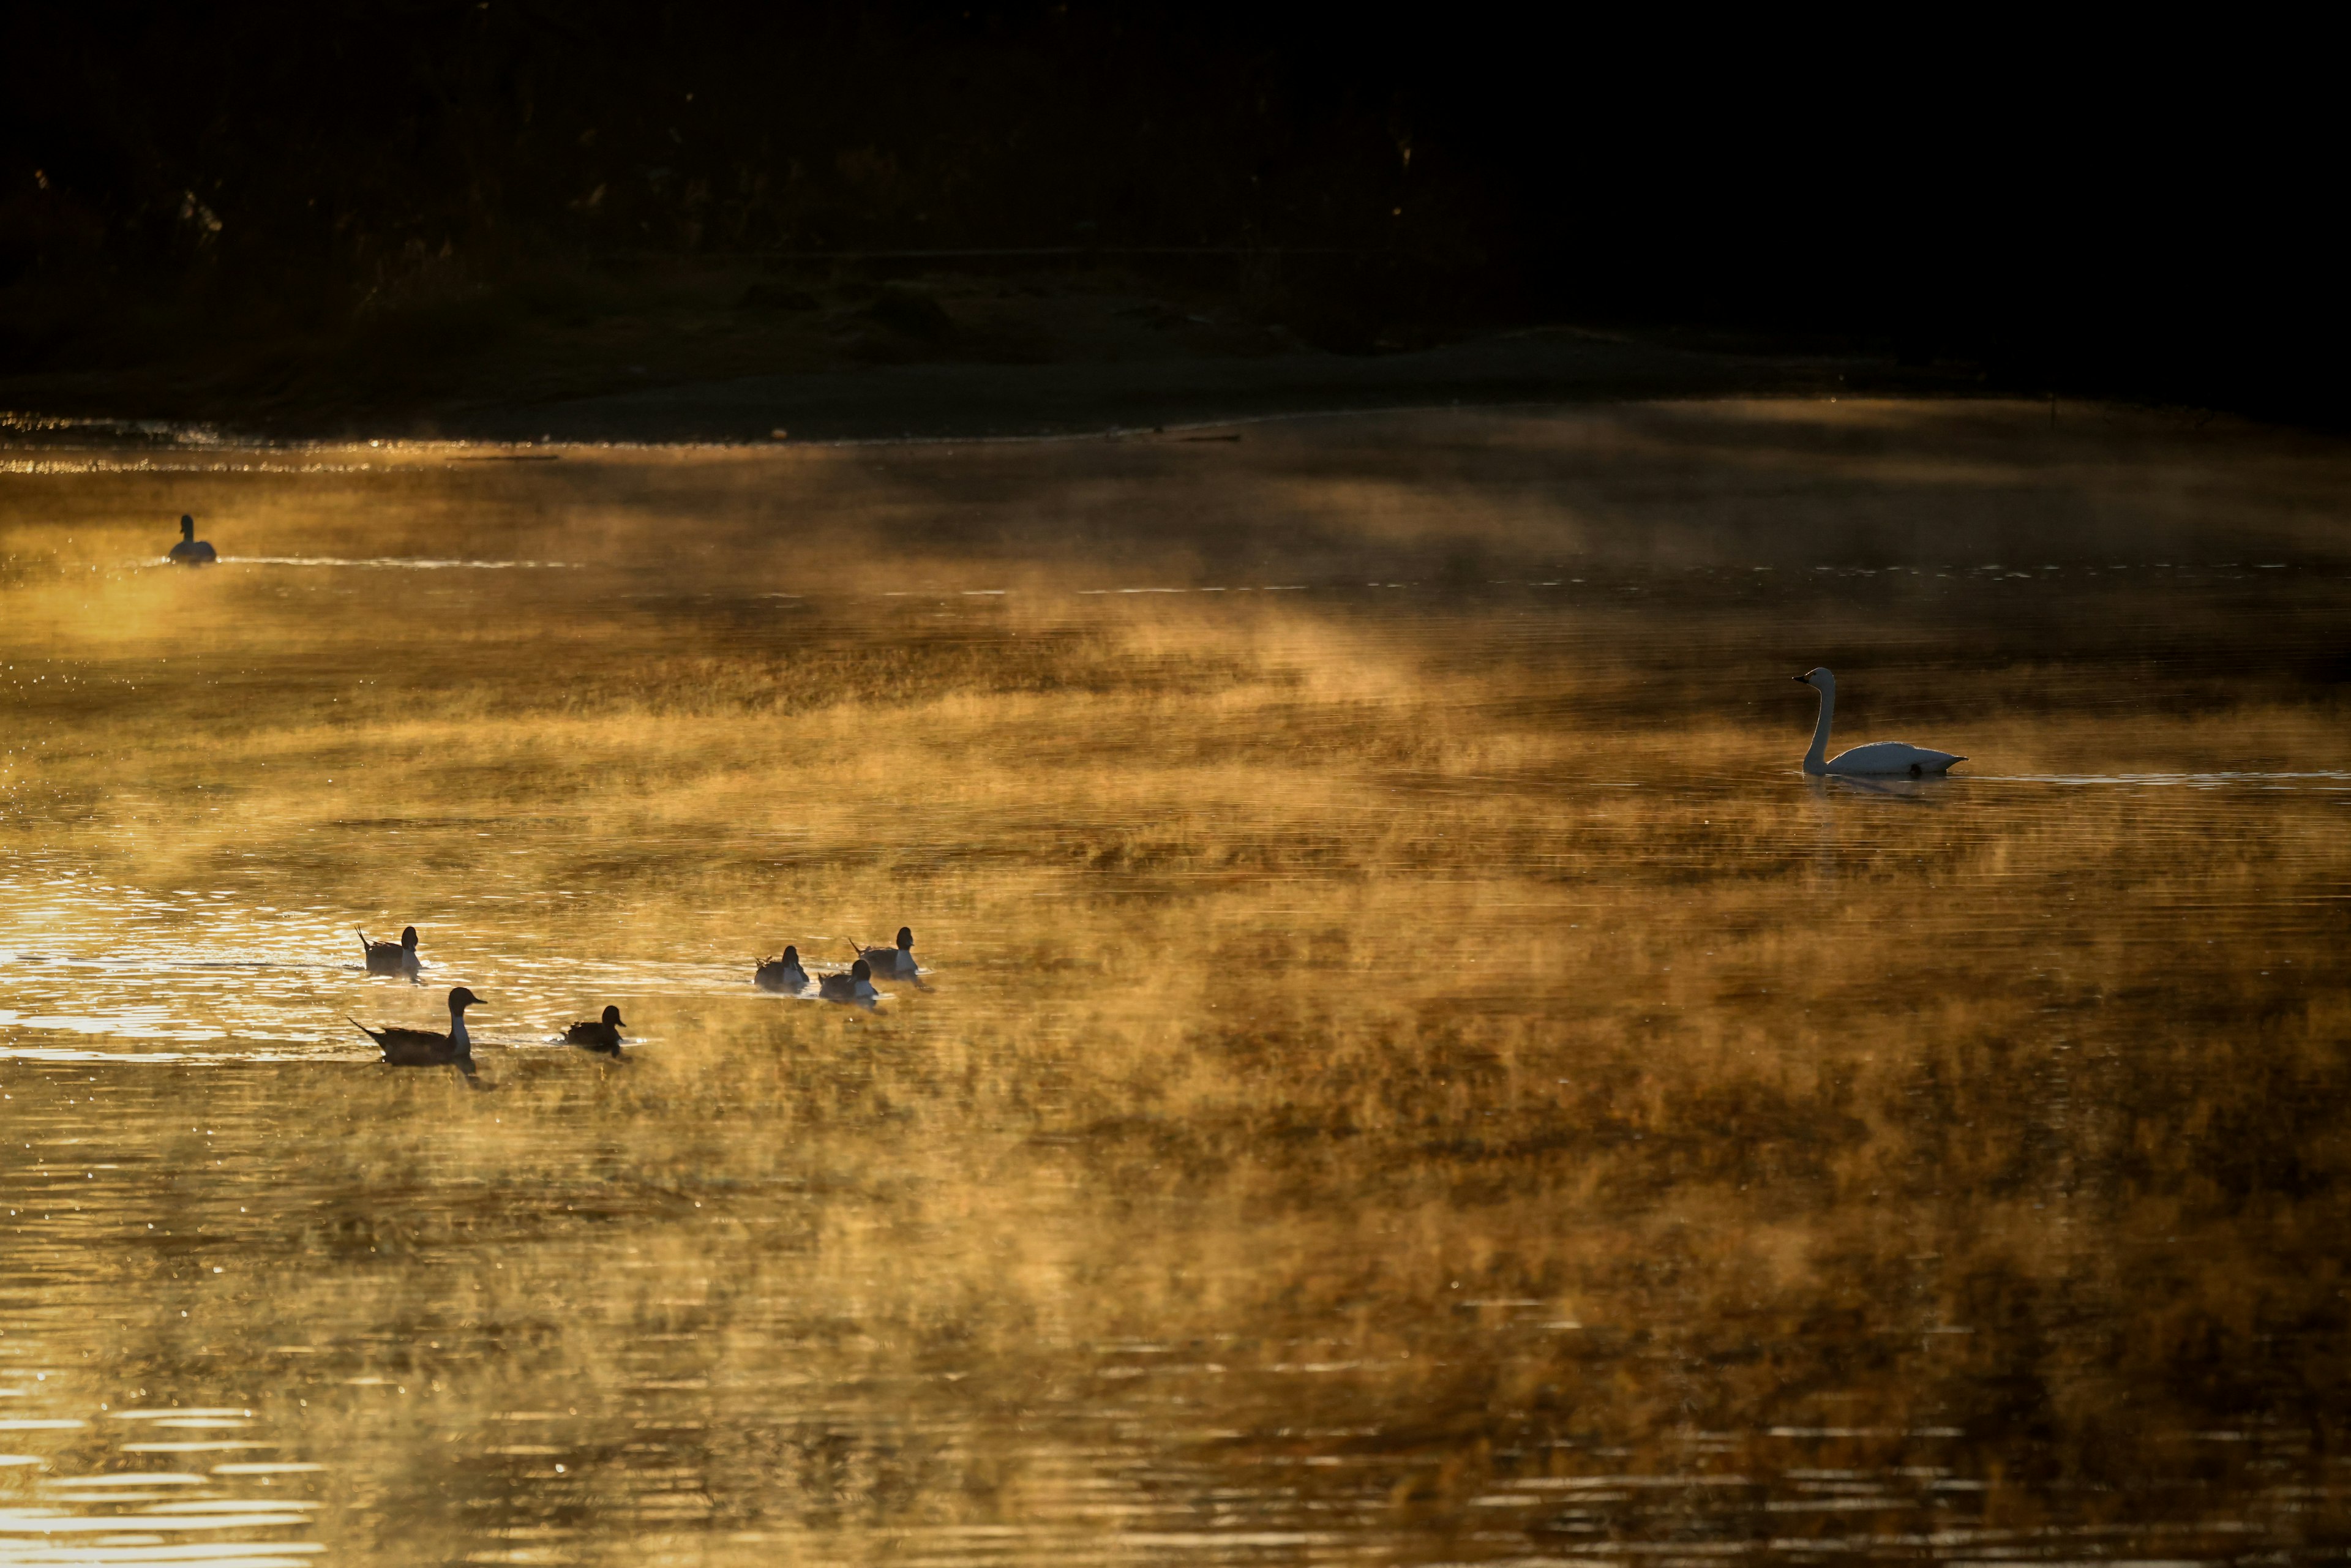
(1407, 1071)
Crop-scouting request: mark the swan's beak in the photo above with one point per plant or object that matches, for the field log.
(1803, 680)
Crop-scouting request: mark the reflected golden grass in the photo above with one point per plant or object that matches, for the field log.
(1391, 1052)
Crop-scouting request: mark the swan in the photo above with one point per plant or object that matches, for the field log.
(1876, 759)
(426, 1048)
(191, 551)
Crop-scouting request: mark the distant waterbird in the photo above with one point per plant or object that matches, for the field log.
(602, 1036)
(1879, 759)
(898, 960)
(425, 1048)
(191, 551)
(392, 957)
(857, 986)
(782, 973)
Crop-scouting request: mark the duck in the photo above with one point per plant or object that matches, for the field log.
(781, 974)
(602, 1036)
(424, 1048)
(191, 551)
(857, 986)
(898, 960)
(1879, 759)
(390, 958)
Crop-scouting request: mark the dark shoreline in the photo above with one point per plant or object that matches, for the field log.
(980, 401)
(933, 401)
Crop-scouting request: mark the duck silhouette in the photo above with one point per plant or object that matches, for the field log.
(857, 986)
(895, 961)
(392, 957)
(602, 1036)
(782, 973)
(428, 1048)
(191, 551)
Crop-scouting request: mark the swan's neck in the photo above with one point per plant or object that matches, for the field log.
(1816, 759)
(458, 1038)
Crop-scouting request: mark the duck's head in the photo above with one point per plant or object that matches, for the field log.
(612, 1016)
(860, 970)
(408, 937)
(1818, 679)
(906, 937)
(187, 526)
(792, 956)
(461, 998)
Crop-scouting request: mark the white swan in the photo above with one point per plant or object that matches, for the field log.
(1875, 759)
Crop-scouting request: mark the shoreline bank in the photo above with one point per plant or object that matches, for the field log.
(968, 400)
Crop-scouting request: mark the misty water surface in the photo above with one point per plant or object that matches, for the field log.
(1407, 1070)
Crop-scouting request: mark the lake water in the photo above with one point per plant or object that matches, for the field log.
(1405, 1069)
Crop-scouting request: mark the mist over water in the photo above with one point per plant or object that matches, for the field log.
(1406, 1069)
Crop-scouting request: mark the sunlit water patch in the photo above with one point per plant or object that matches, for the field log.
(124, 970)
(1404, 1069)
(411, 563)
(155, 1485)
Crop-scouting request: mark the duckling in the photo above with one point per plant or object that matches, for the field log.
(857, 986)
(423, 1048)
(602, 1036)
(392, 958)
(781, 974)
(191, 550)
(898, 960)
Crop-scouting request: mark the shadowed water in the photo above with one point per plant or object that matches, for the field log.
(1405, 1069)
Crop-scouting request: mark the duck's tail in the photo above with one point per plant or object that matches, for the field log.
(363, 1028)
(365, 946)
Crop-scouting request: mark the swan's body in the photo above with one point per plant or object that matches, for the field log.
(423, 1047)
(602, 1036)
(392, 957)
(898, 960)
(857, 986)
(1876, 761)
(191, 551)
(781, 974)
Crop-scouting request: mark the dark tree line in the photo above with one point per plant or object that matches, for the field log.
(2077, 217)
(309, 156)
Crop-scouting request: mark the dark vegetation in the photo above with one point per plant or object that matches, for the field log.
(345, 199)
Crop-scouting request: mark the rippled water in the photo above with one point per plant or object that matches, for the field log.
(1405, 1069)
